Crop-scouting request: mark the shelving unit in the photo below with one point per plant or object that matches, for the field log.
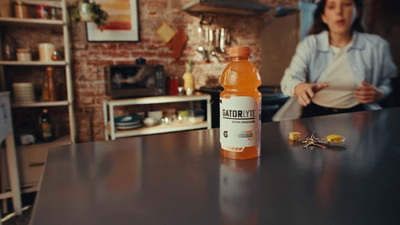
(9, 21)
(32, 63)
(113, 133)
(31, 158)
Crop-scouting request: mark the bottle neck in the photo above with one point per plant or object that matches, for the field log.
(237, 58)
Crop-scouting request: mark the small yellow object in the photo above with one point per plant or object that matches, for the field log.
(188, 81)
(166, 32)
(294, 136)
(335, 138)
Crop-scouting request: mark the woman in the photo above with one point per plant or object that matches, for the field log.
(338, 68)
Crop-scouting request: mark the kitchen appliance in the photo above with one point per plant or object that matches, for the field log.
(129, 81)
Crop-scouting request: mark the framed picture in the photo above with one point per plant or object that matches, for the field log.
(122, 24)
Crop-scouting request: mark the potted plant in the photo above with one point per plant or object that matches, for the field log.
(89, 12)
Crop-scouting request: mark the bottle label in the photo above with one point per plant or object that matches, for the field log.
(46, 130)
(240, 123)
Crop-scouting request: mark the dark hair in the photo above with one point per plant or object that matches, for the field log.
(319, 26)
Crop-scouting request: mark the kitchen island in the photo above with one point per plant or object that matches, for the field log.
(180, 178)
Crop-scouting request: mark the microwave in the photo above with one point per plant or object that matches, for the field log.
(130, 81)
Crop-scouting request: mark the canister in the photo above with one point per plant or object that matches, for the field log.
(46, 51)
(5, 8)
(21, 10)
(42, 12)
(172, 85)
(23, 54)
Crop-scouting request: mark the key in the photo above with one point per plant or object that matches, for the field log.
(332, 144)
(311, 142)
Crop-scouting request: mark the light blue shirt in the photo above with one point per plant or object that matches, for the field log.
(369, 58)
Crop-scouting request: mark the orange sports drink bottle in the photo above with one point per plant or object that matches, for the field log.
(240, 107)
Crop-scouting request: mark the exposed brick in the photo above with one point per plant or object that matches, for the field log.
(157, 5)
(90, 59)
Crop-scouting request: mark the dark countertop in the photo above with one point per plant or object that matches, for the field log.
(180, 178)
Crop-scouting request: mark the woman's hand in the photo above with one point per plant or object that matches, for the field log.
(305, 91)
(368, 93)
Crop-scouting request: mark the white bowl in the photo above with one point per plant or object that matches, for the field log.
(149, 121)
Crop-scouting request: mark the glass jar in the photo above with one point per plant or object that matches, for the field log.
(23, 54)
(55, 56)
(9, 48)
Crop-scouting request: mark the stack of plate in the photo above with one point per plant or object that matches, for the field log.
(23, 92)
(127, 122)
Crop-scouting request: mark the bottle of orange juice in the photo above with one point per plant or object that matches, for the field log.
(240, 107)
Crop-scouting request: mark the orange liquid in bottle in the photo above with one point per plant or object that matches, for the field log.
(241, 78)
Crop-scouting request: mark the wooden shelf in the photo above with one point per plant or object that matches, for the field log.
(40, 104)
(160, 99)
(33, 63)
(163, 128)
(113, 132)
(31, 22)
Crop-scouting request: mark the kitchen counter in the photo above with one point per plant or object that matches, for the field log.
(180, 178)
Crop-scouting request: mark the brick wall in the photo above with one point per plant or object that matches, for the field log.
(90, 59)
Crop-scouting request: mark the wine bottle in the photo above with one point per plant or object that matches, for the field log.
(46, 126)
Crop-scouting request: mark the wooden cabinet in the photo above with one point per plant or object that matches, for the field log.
(31, 158)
